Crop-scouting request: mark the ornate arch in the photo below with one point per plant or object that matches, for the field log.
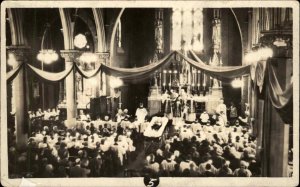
(240, 31)
(16, 26)
(101, 42)
(113, 35)
(68, 28)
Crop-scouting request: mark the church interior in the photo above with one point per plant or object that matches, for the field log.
(129, 92)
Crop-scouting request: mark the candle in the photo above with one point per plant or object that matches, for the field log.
(164, 77)
(170, 83)
(199, 79)
(194, 77)
(160, 81)
(192, 107)
(175, 74)
(204, 80)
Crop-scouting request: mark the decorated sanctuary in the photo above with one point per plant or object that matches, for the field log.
(171, 92)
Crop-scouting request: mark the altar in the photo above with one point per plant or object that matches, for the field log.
(199, 103)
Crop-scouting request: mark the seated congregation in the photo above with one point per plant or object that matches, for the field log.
(166, 147)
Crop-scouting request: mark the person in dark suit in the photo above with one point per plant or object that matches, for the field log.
(77, 171)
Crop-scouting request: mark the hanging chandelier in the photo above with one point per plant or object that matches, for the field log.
(237, 83)
(11, 61)
(115, 82)
(259, 54)
(88, 57)
(47, 56)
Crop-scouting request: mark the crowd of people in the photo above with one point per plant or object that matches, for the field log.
(45, 115)
(196, 150)
(208, 146)
(101, 148)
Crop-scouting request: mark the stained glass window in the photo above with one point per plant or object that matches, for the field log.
(187, 29)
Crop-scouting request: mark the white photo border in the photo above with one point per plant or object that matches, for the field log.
(255, 181)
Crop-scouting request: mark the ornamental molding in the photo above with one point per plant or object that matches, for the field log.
(21, 53)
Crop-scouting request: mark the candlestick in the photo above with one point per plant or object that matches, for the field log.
(198, 79)
(160, 81)
(164, 77)
(170, 83)
(120, 99)
(194, 77)
(204, 79)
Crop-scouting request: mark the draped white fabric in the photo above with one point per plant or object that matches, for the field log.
(218, 72)
(50, 76)
(279, 98)
(88, 74)
(13, 73)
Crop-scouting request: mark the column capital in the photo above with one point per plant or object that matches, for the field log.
(73, 55)
(103, 55)
(21, 53)
(70, 55)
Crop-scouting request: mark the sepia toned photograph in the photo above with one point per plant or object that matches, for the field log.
(148, 93)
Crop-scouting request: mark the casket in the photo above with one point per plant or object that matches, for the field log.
(151, 132)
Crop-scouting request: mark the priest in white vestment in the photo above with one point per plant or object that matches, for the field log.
(141, 113)
(222, 110)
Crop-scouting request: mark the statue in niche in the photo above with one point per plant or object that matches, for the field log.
(216, 83)
(215, 59)
(36, 89)
(184, 79)
(216, 39)
(216, 34)
(175, 83)
(159, 36)
(78, 82)
(155, 75)
(155, 58)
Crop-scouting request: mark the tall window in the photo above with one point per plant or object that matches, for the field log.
(187, 29)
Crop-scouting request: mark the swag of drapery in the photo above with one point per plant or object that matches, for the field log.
(278, 97)
(13, 73)
(263, 75)
(50, 76)
(139, 73)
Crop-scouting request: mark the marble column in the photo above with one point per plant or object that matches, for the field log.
(20, 54)
(69, 56)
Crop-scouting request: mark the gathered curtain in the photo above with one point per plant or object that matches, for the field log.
(137, 74)
(222, 73)
(87, 74)
(51, 76)
(278, 97)
(14, 72)
(140, 73)
(116, 71)
(260, 74)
